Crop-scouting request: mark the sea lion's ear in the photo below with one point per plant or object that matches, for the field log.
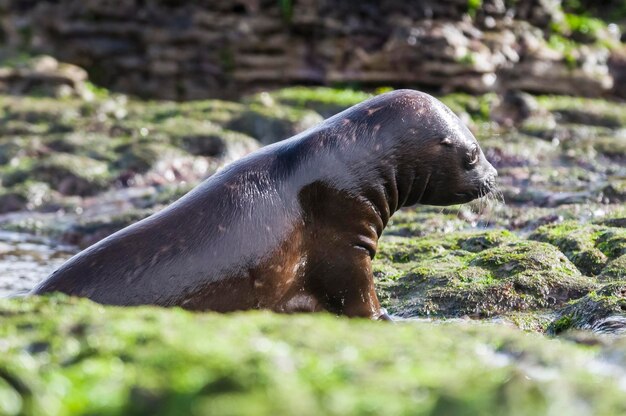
(446, 141)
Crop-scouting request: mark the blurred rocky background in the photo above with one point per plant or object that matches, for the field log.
(224, 49)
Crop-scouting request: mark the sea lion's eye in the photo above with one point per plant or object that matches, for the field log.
(473, 157)
(446, 141)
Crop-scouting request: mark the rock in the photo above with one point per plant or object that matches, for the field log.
(617, 67)
(26, 196)
(602, 311)
(586, 118)
(206, 138)
(217, 50)
(324, 101)
(589, 247)
(85, 233)
(43, 75)
(508, 276)
(154, 164)
(615, 269)
(72, 174)
(273, 123)
(158, 361)
(614, 192)
(513, 108)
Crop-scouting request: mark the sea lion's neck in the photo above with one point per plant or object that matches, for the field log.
(397, 177)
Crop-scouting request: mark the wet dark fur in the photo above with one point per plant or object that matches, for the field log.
(292, 227)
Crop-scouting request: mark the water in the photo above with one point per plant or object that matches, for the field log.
(25, 260)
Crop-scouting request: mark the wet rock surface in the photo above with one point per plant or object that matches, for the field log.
(602, 311)
(479, 275)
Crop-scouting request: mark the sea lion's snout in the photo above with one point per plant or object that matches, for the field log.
(489, 178)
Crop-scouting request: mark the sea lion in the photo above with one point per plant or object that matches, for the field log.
(293, 226)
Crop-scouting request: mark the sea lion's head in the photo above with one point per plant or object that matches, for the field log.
(451, 166)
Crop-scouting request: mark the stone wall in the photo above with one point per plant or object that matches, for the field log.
(224, 48)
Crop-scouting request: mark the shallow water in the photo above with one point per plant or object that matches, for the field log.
(25, 260)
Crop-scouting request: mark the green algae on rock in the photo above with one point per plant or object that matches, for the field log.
(588, 246)
(615, 269)
(26, 195)
(323, 100)
(66, 356)
(72, 174)
(423, 220)
(269, 124)
(86, 233)
(603, 310)
(500, 275)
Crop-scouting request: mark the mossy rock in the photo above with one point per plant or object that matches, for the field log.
(404, 250)
(600, 108)
(66, 356)
(587, 118)
(16, 147)
(513, 149)
(72, 174)
(25, 196)
(269, 124)
(588, 246)
(534, 321)
(86, 233)
(214, 141)
(510, 276)
(141, 156)
(157, 112)
(97, 146)
(602, 311)
(615, 269)
(477, 107)
(611, 146)
(37, 115)
(612, 242)
(422, 220)
(615, 191)
(323, 100)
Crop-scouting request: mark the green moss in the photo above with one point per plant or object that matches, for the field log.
(603, 310)
(24, 196)
(612, 242)
(72, 174)
(422, 220)
(473, 6)
(404, 250)
(73, 357)
(598, 107)
(141, 156)
(443, 280)
(585, 28)
(530, 321)
(565, 322)
(96, 92)
(269, 124)
(326, 101)
(477, 107)
(589, 246)
(615, 269)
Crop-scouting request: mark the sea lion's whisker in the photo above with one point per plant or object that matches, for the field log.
(425, 186)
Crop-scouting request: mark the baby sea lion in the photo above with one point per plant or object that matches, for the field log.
(293, 226)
